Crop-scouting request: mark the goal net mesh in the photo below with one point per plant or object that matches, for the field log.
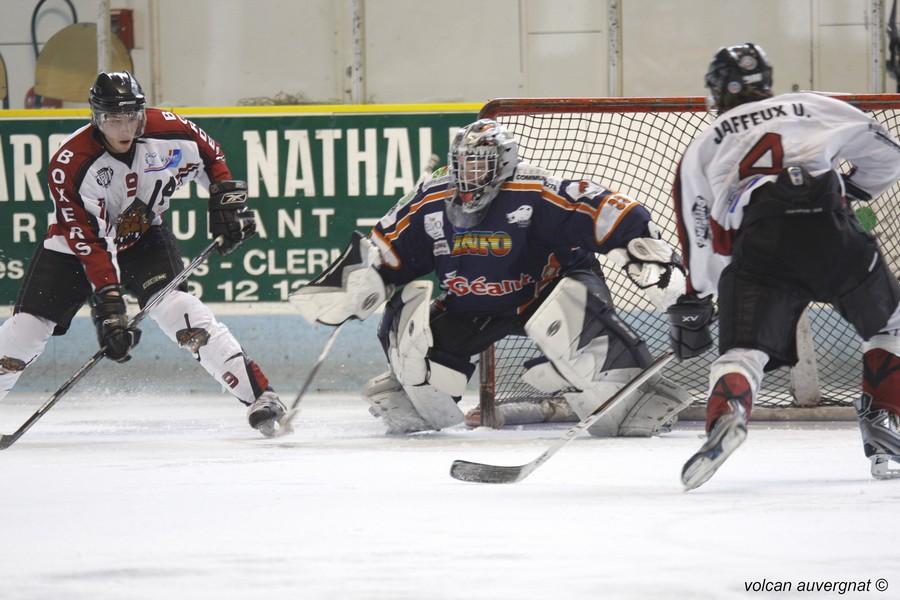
(633, 146)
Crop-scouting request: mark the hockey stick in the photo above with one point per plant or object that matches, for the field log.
(482, 473)
(284, 423)
(8, 440)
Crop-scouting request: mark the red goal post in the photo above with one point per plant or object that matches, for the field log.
(633, 145)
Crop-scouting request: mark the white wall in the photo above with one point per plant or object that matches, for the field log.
(217, 52)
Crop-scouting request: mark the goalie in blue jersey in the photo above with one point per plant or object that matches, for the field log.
(513, 249)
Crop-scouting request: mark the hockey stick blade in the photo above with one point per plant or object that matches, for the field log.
(464, 470)
(8, 440)
(284, 423)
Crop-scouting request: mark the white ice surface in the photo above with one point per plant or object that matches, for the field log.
(161, 497)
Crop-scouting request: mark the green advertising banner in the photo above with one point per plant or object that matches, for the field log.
(314, 174)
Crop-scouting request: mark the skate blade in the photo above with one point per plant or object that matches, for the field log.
(279, 427)
(704, 464)
(881, 467)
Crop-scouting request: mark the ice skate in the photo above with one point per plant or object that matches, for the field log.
(880, 431)
(264, 414)
(728, 432)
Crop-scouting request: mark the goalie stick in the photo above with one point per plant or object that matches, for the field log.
(284, 423)
(483, 473)
(8, 440)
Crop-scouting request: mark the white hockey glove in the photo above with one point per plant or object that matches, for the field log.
(655, 267)
(350, 288)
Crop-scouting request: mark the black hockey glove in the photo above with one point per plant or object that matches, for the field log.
(229, 215)
(111, 321)
(689, 320)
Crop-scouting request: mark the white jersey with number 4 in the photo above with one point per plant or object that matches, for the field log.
(748, 146)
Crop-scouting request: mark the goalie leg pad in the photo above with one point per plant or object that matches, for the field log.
(23, 338)
(391, 404)
(578, 331)
(438, 408)
(406, 336)
(603, 388)
(408, 333)
(656, 410)
(193, 326)
(423, 409)
(543, 376)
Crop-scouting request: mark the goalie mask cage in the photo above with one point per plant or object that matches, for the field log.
(633, 145)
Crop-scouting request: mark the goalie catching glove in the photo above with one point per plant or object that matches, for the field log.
(654, 267)
(229, 216)
(350, 288)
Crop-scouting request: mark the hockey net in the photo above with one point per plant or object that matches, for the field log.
(633, 145)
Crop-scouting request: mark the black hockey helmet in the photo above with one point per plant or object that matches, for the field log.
(117, 94)
(738, 74)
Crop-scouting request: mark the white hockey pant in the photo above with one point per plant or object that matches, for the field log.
(23, 338)
(193, 326)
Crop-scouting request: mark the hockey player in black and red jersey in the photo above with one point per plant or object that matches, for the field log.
(513, 250)
(111, 182)
(765, 225)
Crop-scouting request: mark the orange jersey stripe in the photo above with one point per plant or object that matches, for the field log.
(404, 222)
(388, 254)
(523, 186)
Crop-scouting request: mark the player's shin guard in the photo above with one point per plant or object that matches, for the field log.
(881, 379)
(736, 377)
(730, 387)
(23, 338)
(878, 410)
(192, 325)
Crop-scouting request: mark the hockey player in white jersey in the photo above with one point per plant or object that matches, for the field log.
(111, 182)
(765, 225)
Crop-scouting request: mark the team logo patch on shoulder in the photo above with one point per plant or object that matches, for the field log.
(157, 163)
(583, 189)
(521, 216)
(434, 225)
(104, 176)
(438, 178)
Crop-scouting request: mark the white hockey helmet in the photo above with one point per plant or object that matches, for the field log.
(482, 156)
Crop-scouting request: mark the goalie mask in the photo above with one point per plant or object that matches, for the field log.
(117, 109)
(482, 156)
(736, 75)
